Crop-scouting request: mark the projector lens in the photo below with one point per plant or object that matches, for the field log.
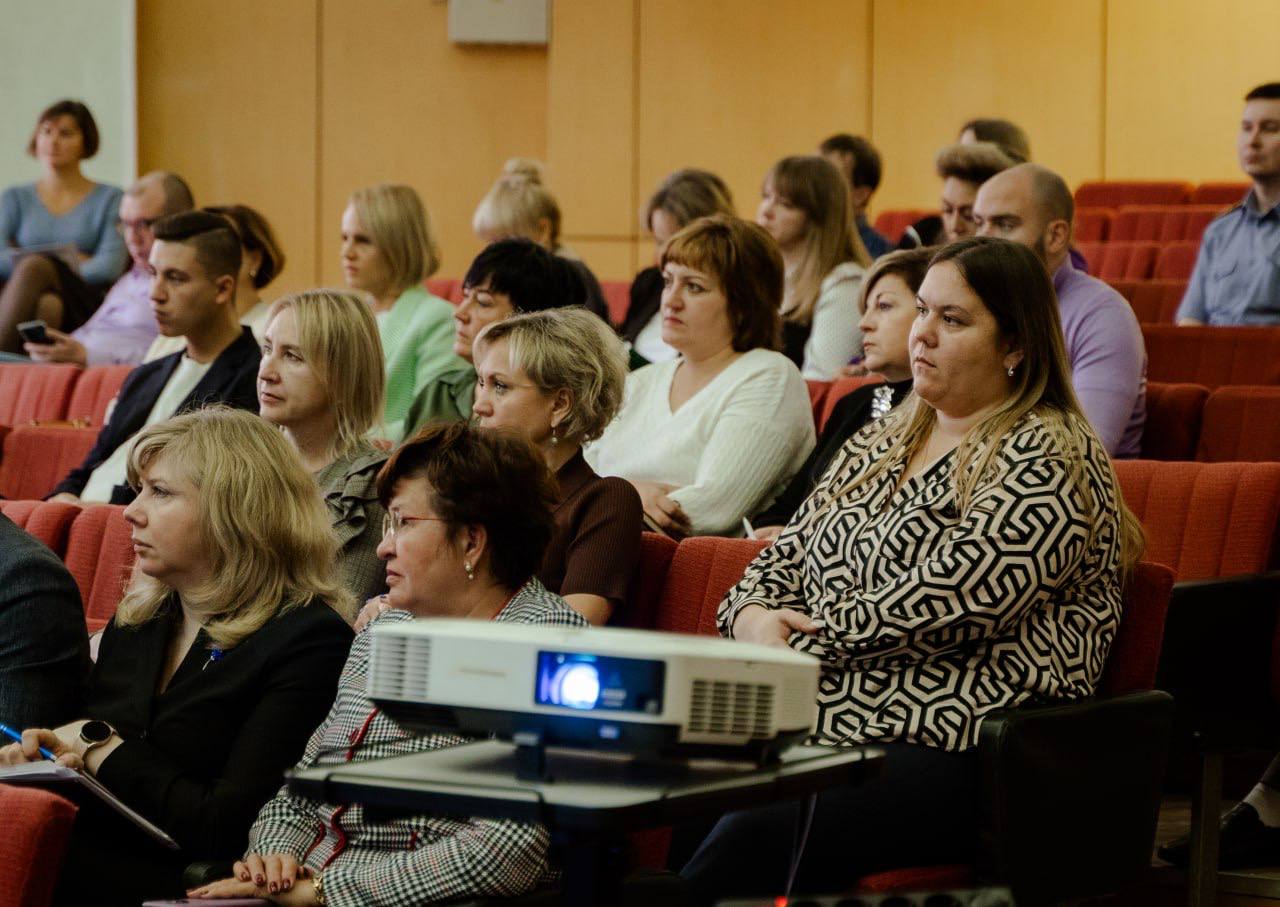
(576, 686)
(589, 682)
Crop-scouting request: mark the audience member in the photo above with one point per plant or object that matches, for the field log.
(1237, 275)
(507, 277)
(122, 328)
(712, 436)
(993, 464)
(44, 654)
(1032, 205)
(469, 515)
(679, 200)
(221, 658)
(963, 169)
(60, 246)
(388, 250)
(888, 307)
(859, 163)
(261, 261)
(519, 206)
(805, 207)
(194, 262)
(321, 380)
(1008, 136)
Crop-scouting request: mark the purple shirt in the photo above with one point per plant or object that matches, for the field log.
(1108, 358)
(123, 327)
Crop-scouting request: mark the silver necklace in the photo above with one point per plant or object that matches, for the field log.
(881, 401)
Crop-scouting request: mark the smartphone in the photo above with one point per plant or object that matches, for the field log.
(34, 332)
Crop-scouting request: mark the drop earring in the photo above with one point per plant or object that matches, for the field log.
(471, 574)
(1011, 371)
(554, 439)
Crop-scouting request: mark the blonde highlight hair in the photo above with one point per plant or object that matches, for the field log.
(400, 226)
(817, 188)
(271, 547)
(516, 203)
(571, 349)
(339, 340)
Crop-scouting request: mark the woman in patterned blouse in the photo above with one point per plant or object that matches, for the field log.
(469, 514)
(964, 555)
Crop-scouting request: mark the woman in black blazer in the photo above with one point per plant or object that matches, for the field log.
(221, 659)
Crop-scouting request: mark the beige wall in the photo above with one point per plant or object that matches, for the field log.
(292, 104)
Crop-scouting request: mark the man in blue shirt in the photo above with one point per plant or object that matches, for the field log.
(859, 163)
(1237, 275)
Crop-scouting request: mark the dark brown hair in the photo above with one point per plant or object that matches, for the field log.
(216, 244)
(909, 265)
(1008, 135)
(687, 195)
(255, 236)
(84, 122)
(482, 477)
(747, 263)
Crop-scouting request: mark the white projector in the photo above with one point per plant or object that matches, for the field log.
(645, 693)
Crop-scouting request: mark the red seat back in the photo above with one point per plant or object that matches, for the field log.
(1219, 193)
(49, 521)
(840, 388)
(100, 557)
(94, 391)
(1091, 225)
(817, 396)
(1162, 223)
(1241, 423)
(1172, 428)
(38, 457)
(1205, 519)
(1177, 260)
(656, 552)
(891, 224)
(447, 288)
(1120, 260)
(617, 296)
(37, 827)
(1212, 356)
(1114, 193)
(1153, 301)
(29, 392)
(703, 570)
(1135, 653)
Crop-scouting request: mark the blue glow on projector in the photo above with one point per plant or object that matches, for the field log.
(575, 685)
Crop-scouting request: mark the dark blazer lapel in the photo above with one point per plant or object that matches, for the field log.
(132, 411)
(222, 374)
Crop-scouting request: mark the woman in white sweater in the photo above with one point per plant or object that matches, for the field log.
(709, 437)
(805, 206)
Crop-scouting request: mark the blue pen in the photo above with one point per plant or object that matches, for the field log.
(17, 738)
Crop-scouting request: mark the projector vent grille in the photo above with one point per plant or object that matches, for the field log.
(400, 667)
(737, 709)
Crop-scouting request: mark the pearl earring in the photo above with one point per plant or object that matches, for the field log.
(554, 439)
(470, 571)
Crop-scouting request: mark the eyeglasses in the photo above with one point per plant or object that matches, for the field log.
(393, 522)
(141, 225)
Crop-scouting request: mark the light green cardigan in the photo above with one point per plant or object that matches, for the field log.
(417, 345)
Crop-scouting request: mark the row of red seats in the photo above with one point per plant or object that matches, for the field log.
(1154, 223)
(1140, 260)
(617, 294)
(1118, 193)
(57, 393)
(1152, 301)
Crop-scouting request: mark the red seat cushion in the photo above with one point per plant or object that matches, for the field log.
(1114, 193)
(656, 552)
(1174, 412)
(1241, 423)
(100, 557)
(1212, 356)
(37, 826)
(38, 457)
(49, 521)
(1162, 223)
(1153, 301)
(1219, 193)
(1177, 260)
(703, 570)
(1091, 225)
(892, 224)
(94, 391)
(617, 296)
(30, 392)
(1135, 653)
(817, 396)
(1121, 260)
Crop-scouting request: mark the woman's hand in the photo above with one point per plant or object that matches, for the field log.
(296, 894)
(665, 513)
(370, 612)
(271, 876)
(768, 533)
(771, 627)
(29, 749)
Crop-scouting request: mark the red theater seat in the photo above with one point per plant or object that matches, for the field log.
(617, 296)
(38, 457)
(656, 552)
(703, 570)
(1174, 412)
(94, 391)
(447, 288)
(840, 388)
(37, 826)
(100, 557)
(1162, 223)
(1091, 225)
(1219, 193)
(817, 395)
(1212, 356)
(49, 521)
(1241, 423)
(891, 224)
(31, 392)
(1113, 194)
(1120, 260)
(1177, 260)
(1153, 301)
(1205, 519)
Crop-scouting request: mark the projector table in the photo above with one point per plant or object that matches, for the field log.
(590, 801)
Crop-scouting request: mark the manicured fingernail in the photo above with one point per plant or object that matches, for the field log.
(287, 885)
(259, 880)
(274, 887)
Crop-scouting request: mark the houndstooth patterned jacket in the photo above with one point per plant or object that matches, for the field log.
(414, 860)
(933, 618)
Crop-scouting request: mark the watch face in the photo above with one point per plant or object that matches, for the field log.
(95, 732)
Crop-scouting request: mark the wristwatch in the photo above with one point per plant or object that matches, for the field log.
(317, 885)
(95, 733)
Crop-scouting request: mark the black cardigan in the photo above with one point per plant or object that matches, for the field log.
(847, 419)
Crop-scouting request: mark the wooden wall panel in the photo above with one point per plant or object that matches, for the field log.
(1177, 71)
(400, 103)
(227, 99)
(938, 64)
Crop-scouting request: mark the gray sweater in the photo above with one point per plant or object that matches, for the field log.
(90, 226)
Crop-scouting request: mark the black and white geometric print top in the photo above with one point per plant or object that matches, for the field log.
(933, 618)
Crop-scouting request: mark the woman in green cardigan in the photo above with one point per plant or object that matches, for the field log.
(388, 250)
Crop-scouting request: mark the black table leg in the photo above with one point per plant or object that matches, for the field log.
(593, 868)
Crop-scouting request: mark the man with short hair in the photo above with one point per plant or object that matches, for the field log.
(195, 260)
(1032, 205)
(859, 162)
(1237, 275)
(122, 328)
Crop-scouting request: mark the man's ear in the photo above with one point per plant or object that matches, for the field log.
(861, 195)
(1057, 237)
(226, 285)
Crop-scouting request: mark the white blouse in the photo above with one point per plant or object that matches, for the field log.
(834, 336)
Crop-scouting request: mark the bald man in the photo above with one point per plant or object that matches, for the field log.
(1032, 205)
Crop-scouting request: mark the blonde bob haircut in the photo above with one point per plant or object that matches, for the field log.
(271, 548)
(517, 204)
(338, 338)
(400, 227)
(569, 349)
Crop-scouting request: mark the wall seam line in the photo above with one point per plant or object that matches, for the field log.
(318, 227)
(635, 130)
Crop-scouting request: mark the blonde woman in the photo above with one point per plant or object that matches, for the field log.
(519, 205)
(805, 206)
(222, 658)
(320, 380)
(963, 555)
(388, 250)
